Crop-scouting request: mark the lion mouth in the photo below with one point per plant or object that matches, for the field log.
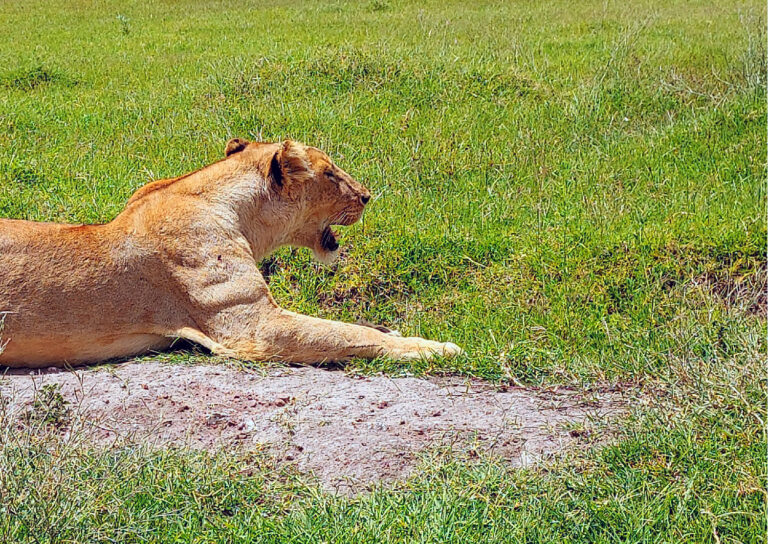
(329, 244)
(328, 240)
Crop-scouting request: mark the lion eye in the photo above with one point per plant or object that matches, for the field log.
(331, 175)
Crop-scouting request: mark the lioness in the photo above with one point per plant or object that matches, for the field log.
(181, 261)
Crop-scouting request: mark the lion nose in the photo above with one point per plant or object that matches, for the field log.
(365, 198)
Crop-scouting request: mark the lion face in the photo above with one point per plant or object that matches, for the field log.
(332, 197)
(318, 193)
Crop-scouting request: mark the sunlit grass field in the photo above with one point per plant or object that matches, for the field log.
(573, 192)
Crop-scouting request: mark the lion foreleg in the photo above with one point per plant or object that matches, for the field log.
(298, 338)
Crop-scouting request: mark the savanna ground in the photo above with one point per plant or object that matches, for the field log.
(573, 192)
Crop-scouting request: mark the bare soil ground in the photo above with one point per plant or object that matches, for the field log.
(350, 431)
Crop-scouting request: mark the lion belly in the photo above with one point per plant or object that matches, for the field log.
(44, 351)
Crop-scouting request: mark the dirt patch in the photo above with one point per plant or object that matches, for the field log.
(349, 431)
(748, 290)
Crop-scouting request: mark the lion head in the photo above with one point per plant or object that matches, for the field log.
(316, 193)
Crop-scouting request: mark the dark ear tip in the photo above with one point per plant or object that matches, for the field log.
(235, 145)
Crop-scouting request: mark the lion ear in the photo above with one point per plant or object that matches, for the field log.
(290, 164)
(235, 145)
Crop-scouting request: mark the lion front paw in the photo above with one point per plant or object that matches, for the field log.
(419, 348)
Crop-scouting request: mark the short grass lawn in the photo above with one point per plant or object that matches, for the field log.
(572, 191)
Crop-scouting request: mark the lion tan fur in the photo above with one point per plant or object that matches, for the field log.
(181, 261)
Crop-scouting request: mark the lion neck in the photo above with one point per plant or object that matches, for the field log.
(244, 199)
(235, 197)
(267, 223)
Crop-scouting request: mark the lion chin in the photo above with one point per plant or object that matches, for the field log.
(325, 257)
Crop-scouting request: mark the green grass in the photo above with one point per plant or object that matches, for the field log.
(573, 192)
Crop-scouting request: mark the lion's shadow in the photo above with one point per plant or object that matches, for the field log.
(182, 352)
